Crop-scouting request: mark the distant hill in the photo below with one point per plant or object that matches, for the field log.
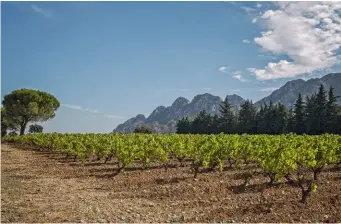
(163, 119)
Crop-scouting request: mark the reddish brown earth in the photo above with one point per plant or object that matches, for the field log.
(46, 187)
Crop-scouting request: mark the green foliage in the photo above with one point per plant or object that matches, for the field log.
(35, 128)
(201, 124)
(13, 133)
(332, 113)
(143, 129)
(247, 118)
(299, 117)
(227, 120)
(183, 126)
(26, 105)
(294, 157)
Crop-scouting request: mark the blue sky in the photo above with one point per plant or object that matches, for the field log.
(109, 61)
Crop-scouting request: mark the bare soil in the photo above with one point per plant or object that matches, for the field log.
(46, 187)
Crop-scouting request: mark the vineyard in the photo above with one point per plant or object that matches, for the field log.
(296, 159)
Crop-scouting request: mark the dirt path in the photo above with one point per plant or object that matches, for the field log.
(45, 187)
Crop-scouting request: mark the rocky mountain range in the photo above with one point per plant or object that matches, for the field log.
(287, 94)
(163, 119)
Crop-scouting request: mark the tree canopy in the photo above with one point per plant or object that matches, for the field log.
(143, 129)
(35, 128)
(27, 105)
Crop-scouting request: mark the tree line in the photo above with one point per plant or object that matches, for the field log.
(317, 114)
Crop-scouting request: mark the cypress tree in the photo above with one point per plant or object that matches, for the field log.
(183, 126)
(290, 124)
(332, 112)
(299, 116)
(227, 118)
(247, 118)
(280, 119)
(310, 114)
(321, 111)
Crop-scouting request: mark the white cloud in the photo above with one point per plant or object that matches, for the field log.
(111, 116)
(235, 74)
(309, 33)
(239, 77)
(236, 90)
(246, 41)
(44, 12)
(258, 5)
(224, 69)
(271, 89)
(77, 107)
(207, 89)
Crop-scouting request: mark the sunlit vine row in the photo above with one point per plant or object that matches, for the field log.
(292, 157)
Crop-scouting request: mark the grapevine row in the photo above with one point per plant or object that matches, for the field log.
(297, 158)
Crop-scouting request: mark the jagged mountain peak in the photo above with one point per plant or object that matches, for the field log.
(179, 102)
(140, 117)
(205, 96)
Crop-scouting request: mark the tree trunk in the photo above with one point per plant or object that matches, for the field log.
(22, 128)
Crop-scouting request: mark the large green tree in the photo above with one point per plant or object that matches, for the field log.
(310, 113)
(183, 126)
(280, 119)
(247, 118)
(227, 117)
(290, 121)
(27, 105)
(299, 117)
(202, 123)
(321, 110)
(332, 112)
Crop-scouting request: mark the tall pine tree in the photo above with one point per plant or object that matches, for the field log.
(227, 117)
(299, 116)
(280, 119)
(290, 124)
(247, 118)
(184, 126)
(332, 112)
(310, 114)
(321, 111)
